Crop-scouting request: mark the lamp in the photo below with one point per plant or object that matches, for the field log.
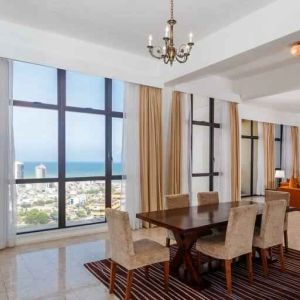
(295, 49)
(279, 174)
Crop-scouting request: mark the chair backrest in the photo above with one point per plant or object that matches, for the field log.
(277, 195)
(120, 235)
(273, 222)
(205, 198)
(240, 230)
(177, 201)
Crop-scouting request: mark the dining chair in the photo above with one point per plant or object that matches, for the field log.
(270, 232)
(279, 195)
(235, 242)
(175, 201)
(132, 254)
(205, 198)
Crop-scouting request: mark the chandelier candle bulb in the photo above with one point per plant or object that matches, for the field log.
(150, 40)
(167, 32)
(191, 37)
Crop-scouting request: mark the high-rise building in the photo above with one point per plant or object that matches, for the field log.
(40, 171)
(19, 170)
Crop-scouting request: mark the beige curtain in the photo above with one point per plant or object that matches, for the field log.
(150, 148)
(269, 154)
(235, 153)
(175, 151)
(295, 151)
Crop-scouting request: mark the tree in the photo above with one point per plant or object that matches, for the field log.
(35, 216)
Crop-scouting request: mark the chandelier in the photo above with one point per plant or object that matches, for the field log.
(168, 53)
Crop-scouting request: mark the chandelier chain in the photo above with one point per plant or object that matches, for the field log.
(172, 9)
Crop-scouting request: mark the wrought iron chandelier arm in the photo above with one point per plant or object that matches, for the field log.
(155, 51)
(182, 59)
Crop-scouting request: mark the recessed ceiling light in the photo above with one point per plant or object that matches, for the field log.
(295, 49)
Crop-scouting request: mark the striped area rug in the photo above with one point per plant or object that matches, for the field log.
(278, 286)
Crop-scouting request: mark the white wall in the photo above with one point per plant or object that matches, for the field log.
(261, 114)
(46, 48)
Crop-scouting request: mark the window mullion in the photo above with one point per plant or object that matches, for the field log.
(61, 90)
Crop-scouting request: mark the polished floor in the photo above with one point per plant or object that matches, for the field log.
(54, 270)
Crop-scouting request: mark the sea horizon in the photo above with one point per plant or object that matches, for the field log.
(73, 168)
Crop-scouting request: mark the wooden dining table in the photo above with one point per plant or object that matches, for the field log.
(187, 224)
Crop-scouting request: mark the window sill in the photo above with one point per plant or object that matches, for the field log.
(51, 235)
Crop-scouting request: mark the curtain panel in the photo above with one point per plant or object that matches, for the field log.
(175, 147)
(7, 182)
(130, 154)
(235, 153)
(269, 154)
(150, 134)
(295, 151)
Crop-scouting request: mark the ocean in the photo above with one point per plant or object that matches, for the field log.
(73, 169)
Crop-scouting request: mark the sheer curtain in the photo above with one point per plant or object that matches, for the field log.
(222, 151)
(287, 151)
(260, 184)
(7, 187)
(130, 153)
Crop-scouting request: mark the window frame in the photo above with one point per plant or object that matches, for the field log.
(212, 126)
(62, 109)
(280, 140)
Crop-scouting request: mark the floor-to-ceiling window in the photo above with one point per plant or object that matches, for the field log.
(68, 143)
(249, 149)
(278, 146)
(205, 135)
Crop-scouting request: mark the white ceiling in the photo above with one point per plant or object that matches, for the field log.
(289, 101)
(126, 24)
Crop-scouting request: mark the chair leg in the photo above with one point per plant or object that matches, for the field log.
(250, 267)
(129, 283)
(286, 241)
(113, 270)
(281, 258)
(263, 253)
(166, 275)
(168, 242)
(228, 275)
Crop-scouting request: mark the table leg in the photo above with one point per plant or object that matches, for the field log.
(185, 243)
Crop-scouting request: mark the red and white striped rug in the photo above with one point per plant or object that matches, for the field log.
(277, 286)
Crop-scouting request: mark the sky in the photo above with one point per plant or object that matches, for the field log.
(36, 130)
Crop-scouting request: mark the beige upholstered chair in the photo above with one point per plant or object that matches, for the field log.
(205, 198)
(279, 195)
(175, 201)
(129, 254)
(270, 233)
(236, 242)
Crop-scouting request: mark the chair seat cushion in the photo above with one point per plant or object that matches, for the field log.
(213, 245)
(147, 252)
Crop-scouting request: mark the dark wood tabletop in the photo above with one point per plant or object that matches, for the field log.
(194, 217)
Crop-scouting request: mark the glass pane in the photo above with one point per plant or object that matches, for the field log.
(85, 145)
(277, 155)
(277, 131)
(117, 95)
(85, 90)
(34, 83)
(217, 150)
(255, 128)
(219, 106)
(37, 206)
(118, 194)
(200, 149)
(117, 127)
(217, 187)
(245, 166)
(246, 127)
(85, 202)
(36, 143)
(200, 108)
(199, 184)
